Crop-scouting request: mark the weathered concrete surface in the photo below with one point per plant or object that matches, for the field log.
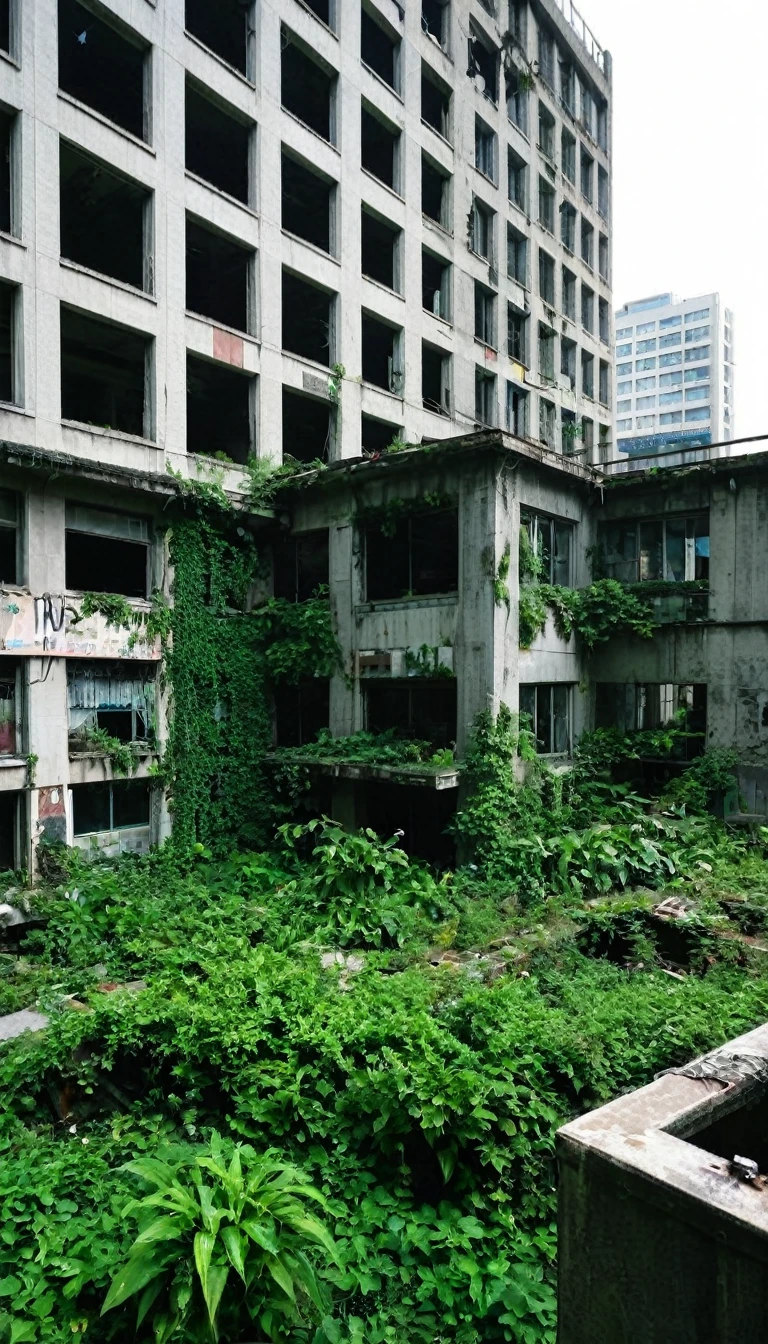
(15, 1024)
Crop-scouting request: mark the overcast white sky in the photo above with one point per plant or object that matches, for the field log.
(690, 159)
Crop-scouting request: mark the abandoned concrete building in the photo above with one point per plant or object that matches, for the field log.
(215, 225)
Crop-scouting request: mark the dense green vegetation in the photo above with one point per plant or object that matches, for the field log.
(409, 1042)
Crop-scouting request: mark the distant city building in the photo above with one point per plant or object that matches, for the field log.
(673, 374)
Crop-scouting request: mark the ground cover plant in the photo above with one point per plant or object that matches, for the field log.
(395, 1046)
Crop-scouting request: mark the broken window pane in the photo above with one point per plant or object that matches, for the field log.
(551, 539)
(104, 374)
(434, 20)
(381, 345)
(218, 276)
(217, 145)
(547, 711)
(102, 217)
(484, 67)
(118, 698)
(110, 806)
(641, 706)
(102, 66)
(307, 88)
(435, 280)
(422, 557)
(219, 410)
(224, 27)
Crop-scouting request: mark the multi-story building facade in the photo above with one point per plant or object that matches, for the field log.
(674, 374)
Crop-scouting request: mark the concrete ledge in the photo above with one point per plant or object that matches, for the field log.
(418, 776)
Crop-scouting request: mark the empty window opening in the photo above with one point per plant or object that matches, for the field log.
(485, 397)
(416, 708)
(547, 277)
(379, 247)
(568, 143)
(587, 243)
(379, 50)
(10, 736)
(8, 125)
(5, 25)
(103, 218)
(485, 315)
(587, 374)
(603, 192)
(604, 320)
(435, 193)
(217, 145)
(382, 364)
(300, 565)
(104, 374)
(115, 698)
(323, 9)
(111, 805)
(377, 435)
(436, 285)
(588, 310)
(219, 410)
(673, 549)
(517, 172)
(569, 294)
(307, 319)
(379, 148)
(110, 551)
(8, 341)
(568, 226)
(552, 540)
(435, 102)
(103, 67)
(604, 383)
(568, 361)
(10, 568)
(10, 825)
(547, 422)
(517, 410)
(546, 205)
(481, 219)
(546, 142)
(587, 167)
(548, 714)
(301, 712)
(485, 150)
(307, 427)
(435, 379)
(307, 89)
(420, 559)
(517, 334)
(225, 27)
(483, 66)
(546, 353)
(517, 256)
(218, 276)
(434, 20)
(307, 203)
(516, 93)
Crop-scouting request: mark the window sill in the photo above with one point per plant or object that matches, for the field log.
(222, 326)
(217, 191)
(10, 60)
(400, 603)
(486, 345)
(325, 369)
(11, 238)
(232, 69)
(286, 111)
(485, 176)
(12, 762)
(520, 131)
(106, 279)
(102, 433)
(384, 391)
(17, 410)
(313, 247)
(427, 219)
(380, 285)
(439, 134)
(445, 321)
(105, 121)
(392, 190)
(383, 82)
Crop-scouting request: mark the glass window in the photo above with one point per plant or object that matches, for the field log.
(109, 806)
(670, 379)
(644, 346)
(649, 362)
(698, 393)
(633, 706)
(548, 711)
(622, 350)
(674, 549)
(696, 353)
(621, 388)
(698, 375)
(425, 556)
(674, 357)
(670, 322)
(625, 331)
(697, 413)
(642, 384)
(697, 334)
(622, 406)
(668, 398)
(623, 424)
(671, 418)
(700, 315)
(646, 326)
(552, 540)
(644, 403)
(671, 338)
(623, 368)
(646, 421)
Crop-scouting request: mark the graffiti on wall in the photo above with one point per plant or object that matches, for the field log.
(50, 625)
